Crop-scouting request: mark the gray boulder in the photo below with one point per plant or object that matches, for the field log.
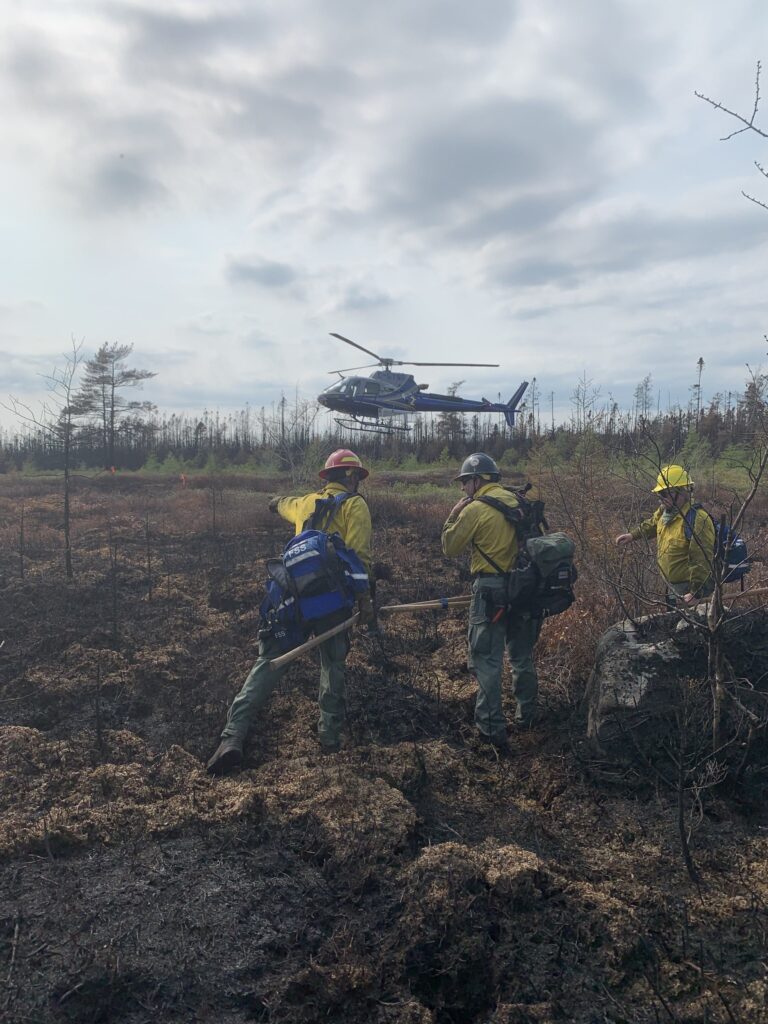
(633, 682)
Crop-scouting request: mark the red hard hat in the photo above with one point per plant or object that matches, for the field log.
(343, 458)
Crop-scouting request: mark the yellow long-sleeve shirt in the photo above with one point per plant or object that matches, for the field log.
(352, 519)
(479, 524)
(681, 560)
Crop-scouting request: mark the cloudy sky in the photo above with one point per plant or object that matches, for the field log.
(528, 182)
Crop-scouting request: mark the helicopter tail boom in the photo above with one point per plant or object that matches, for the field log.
(511, 406)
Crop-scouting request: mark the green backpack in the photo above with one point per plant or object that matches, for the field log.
(541, 583)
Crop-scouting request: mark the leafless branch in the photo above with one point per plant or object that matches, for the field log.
(749, 123)
(758, 202)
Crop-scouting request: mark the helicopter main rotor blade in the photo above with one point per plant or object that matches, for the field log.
(398, 363)
(355, 344)
(349, 369)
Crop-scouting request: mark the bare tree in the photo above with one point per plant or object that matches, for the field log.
(57, 419)
(291, 434)
(583, 401)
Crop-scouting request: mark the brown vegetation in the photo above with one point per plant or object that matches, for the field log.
(414, 877)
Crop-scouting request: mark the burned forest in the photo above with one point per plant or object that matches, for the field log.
(416, 876)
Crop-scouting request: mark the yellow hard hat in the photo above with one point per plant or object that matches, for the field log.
(670, 477)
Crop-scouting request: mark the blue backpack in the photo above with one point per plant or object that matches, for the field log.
(316, 576)
(730, 547)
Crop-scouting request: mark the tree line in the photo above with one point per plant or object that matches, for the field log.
(93, 419)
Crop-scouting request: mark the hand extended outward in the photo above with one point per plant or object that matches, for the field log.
(627, 538)
(273, 503)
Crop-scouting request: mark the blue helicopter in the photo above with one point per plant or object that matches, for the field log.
(368, 401)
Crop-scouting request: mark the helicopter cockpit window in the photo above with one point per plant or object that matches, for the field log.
(342, 387)
(354, 388)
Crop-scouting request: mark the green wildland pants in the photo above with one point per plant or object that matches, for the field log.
(675, 591)
(261, 682)
(517, 633)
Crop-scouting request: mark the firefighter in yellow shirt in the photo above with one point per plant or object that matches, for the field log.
(685, 538)
(342, 473)
(493, 541)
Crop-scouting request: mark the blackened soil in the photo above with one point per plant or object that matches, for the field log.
(416, 876)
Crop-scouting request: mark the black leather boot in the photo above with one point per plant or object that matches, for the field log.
(228, 757)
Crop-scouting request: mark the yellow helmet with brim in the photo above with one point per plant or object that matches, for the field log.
(671, 477)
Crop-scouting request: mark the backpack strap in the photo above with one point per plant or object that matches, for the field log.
(689, 521)
(490, 561)
(513, 516)
(527, 517)
(325, 510)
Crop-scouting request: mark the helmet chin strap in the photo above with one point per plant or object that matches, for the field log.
(673, 497)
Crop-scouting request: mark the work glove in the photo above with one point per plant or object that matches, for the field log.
(273, 503)
(365, 607)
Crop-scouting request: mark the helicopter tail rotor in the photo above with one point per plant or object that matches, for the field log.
(512, 404)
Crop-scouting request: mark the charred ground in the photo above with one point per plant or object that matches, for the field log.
(413, 877)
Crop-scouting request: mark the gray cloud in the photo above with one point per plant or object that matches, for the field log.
(262, 273)
(425, 25)
(633, 242)
(541, 271)
(27, 373)
(480, 155)
(519, 216)
(147, 134)
(32, 65)
(22, 308)
(240, 101)
(164, 40)
(651, 237)
(43, 80)
(591, 41)
(12, 356)
(115, 147)
(206, 328)
(193, 400)
(360, 297)
(295, 127)
(118, 184)
(319, 81)
(172, 359)
(256, 342)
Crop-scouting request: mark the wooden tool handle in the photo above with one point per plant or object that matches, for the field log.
(286, 659)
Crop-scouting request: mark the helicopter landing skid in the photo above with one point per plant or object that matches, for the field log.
(373, 428)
